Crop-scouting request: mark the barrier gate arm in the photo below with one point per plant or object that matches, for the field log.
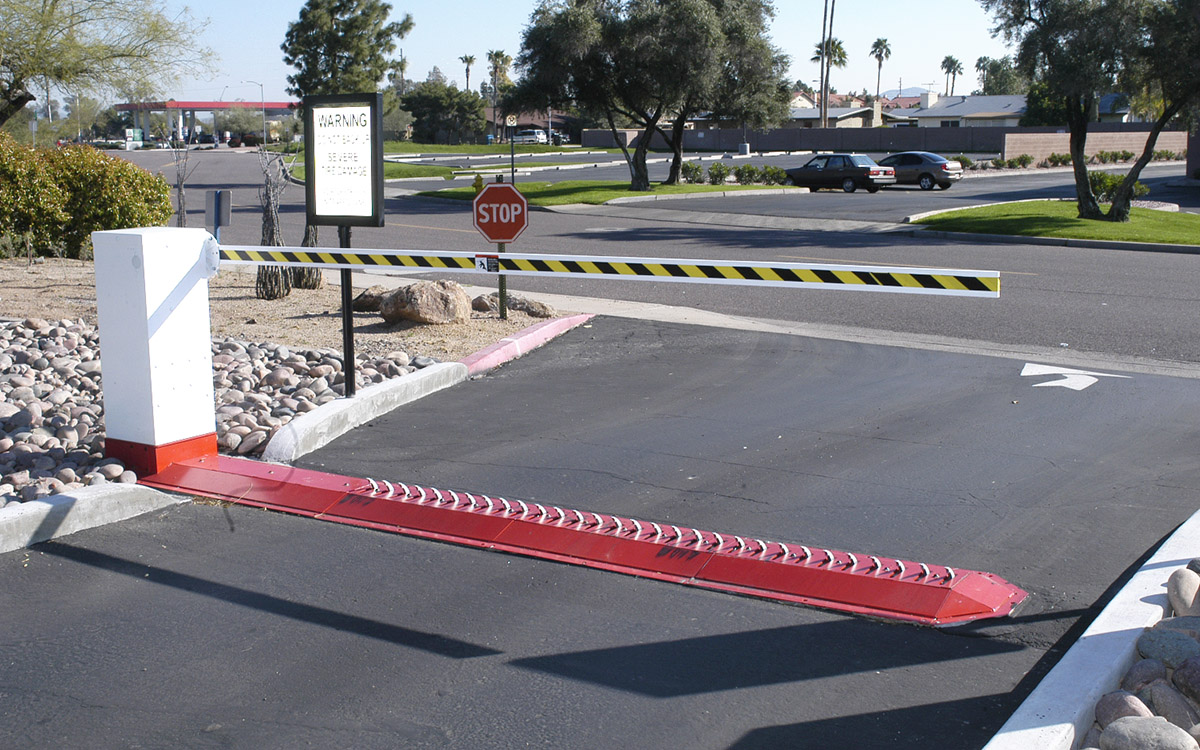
(863, 278)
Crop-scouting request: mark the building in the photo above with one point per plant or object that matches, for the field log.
(969, 111)
(846, 117)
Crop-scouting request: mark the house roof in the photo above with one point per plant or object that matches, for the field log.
(975, 107)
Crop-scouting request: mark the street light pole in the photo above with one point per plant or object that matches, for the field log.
(263, 103)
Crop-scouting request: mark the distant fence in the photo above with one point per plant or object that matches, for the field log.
(1004, 142)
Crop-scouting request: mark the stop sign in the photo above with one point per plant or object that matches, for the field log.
(500, 212)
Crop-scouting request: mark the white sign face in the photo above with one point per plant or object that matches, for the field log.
(341, 143)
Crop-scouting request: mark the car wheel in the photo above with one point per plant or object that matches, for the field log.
(873, 189)
(945, 185)
(848, 185)
(926, 182)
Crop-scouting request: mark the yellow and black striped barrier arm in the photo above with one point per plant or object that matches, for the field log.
(900, 279)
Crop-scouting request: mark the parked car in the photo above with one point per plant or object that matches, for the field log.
(558, 138)
(528, 137)
(847, 171)
(924, 169)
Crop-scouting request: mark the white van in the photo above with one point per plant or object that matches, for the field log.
(525, 137)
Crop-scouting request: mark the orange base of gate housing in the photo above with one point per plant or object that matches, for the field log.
(862, 584)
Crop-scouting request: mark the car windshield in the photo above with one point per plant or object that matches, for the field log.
(862, 161)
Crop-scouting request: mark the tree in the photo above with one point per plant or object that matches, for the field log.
(468, 61)
(822, 49)
(650, 62)
(880, 50)
(443, 112)
(999, 76)
(499, 64)
(833, 53)
(951, 67)
(339, 47)
(436, 76)
(90, 46)
(1079, 49)
(1042, 107)
(1166, 61)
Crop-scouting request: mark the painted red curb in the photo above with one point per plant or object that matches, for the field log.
(523, 342)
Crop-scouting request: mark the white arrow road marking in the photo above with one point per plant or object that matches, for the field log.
(1076, 380)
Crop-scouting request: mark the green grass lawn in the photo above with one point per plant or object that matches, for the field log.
(589, 191)
(1058, 219)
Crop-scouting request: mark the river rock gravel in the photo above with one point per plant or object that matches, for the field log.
(52, 412)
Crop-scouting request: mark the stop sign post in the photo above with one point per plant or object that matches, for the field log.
(500, 213)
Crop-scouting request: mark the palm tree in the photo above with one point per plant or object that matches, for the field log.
(499, 71)
(981, 66)
(881, 51)
(467, 60)
(955, 71)
(949, 65)
(834, 55)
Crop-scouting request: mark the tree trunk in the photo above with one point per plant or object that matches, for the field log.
(304, 277)
(675, 141)
(639, 174)
(1119, 211)
(13, 101)
(1077, 108)
(272, 282)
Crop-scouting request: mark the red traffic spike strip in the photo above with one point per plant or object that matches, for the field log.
(881, 587)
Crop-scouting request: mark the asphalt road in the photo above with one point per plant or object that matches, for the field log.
(207, 626)
(225, 627)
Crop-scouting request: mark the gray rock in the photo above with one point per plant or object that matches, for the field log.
(1188, 624)
(1141, 733)
(1091, 740)
(1187, 678)
(1194, 565)
(1170, 647)
(1170, 704)
(1182, 587)
(370, 299)
(1142, 673)
(1118, 704)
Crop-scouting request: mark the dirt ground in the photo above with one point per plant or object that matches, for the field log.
(58, 289)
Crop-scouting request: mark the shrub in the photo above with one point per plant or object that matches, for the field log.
(235, 142)
(747, 174)
(1163, 155)
(1013, 164)
(999, 163)
(1024, 160)
(964, 160)
(691, 172)
(1126, 156)
(103, 192)
(31, 202)
(773, 175)
(1059, 160)
(1104, 186)
(718, 173)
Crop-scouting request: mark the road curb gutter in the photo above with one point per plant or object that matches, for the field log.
(25, 524)
(330, 421)
(1061, 708)
(521, 343)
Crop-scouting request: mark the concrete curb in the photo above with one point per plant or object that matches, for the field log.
(25, 524)
(1010, 239)
(330, 421)
(524, 341)
(1061, 708)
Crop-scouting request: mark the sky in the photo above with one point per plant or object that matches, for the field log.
(246, 39)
